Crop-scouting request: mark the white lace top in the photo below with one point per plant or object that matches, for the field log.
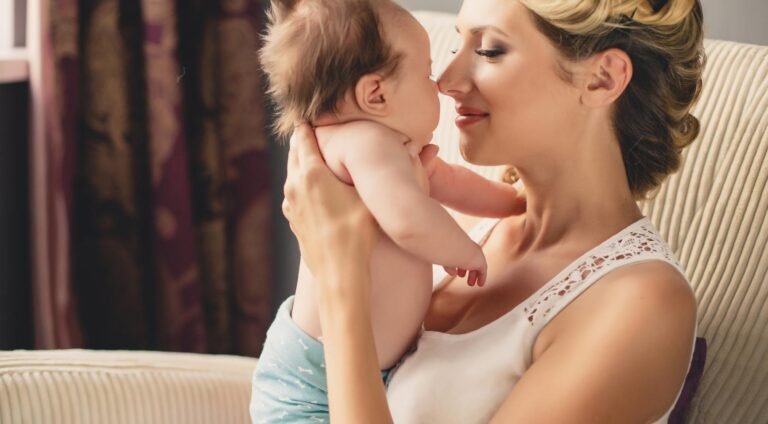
(463, 378)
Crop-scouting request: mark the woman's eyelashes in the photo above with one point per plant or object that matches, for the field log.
(490, 53)
(487, 53)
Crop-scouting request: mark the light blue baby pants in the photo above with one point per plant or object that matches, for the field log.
(289, 384)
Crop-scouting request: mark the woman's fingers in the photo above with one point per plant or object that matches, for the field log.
(293, 154)
(304, 143)
(292, 169)
(303, 153)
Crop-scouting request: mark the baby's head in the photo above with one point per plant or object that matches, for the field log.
(350, 59)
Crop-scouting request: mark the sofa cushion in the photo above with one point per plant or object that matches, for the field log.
(691, 385)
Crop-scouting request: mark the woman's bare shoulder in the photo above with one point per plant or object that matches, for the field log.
(657, 282)
(623, 346)
(647, 288)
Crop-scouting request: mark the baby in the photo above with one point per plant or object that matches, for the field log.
(359, 72)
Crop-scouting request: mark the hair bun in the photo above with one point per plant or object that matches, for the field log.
(657, 5)
(686, 131)
(662, 12)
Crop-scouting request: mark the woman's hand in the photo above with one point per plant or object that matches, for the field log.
(334, 228)
(336, 235)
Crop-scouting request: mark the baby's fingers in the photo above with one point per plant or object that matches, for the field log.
(428, 155)
(472, 278)
(476, 278)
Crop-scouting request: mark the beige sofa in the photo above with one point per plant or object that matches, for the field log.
(713, 213)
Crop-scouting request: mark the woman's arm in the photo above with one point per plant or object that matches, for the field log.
(336, 234)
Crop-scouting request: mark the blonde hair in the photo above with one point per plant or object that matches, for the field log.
(315, 51)
(664, 40)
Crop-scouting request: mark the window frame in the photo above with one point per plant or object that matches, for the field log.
(14, 65)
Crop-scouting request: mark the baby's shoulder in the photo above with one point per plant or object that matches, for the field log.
(360, 132)
(360, 140)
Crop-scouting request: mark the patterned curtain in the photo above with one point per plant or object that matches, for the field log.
(151, 203)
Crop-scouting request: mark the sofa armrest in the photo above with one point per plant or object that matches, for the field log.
(84, 386)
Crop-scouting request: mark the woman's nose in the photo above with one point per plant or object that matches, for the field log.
(454, 81)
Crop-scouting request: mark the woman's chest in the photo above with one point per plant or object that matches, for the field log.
(456, 308)
(458, 379)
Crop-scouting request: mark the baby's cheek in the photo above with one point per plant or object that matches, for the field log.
(435, 115)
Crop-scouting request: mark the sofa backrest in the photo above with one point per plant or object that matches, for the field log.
(714, 214)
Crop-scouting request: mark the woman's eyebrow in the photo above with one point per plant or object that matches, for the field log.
(484, 28)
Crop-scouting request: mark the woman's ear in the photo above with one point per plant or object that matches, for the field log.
(608, 74)
(370, 95)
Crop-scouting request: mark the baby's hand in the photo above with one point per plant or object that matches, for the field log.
(477, 269)
(427, 156)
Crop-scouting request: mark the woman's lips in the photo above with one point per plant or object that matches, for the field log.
(469, 116)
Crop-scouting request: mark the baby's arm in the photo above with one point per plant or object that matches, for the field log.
(467, 192)
(384, 176)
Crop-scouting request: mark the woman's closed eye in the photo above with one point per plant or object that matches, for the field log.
(490, 53)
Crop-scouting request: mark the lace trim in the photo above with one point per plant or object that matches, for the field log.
(640, 240)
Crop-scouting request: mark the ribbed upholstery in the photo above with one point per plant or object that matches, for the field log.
(82, 387)
(713, 212)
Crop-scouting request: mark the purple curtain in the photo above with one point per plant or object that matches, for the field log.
(151, 203)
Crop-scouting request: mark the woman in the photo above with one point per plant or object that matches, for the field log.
(585, 315)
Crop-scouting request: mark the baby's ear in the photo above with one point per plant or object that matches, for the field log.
(370, 94)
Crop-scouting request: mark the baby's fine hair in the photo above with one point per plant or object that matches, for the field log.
(315, 51)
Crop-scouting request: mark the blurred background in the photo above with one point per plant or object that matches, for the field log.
(734, 20)
(140, 188)
(137, 191)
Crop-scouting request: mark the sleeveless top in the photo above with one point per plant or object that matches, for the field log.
(464, 378)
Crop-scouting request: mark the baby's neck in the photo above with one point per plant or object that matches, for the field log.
(328, 119)
(332, 119)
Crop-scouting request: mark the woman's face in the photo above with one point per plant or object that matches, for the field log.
(512, 105)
